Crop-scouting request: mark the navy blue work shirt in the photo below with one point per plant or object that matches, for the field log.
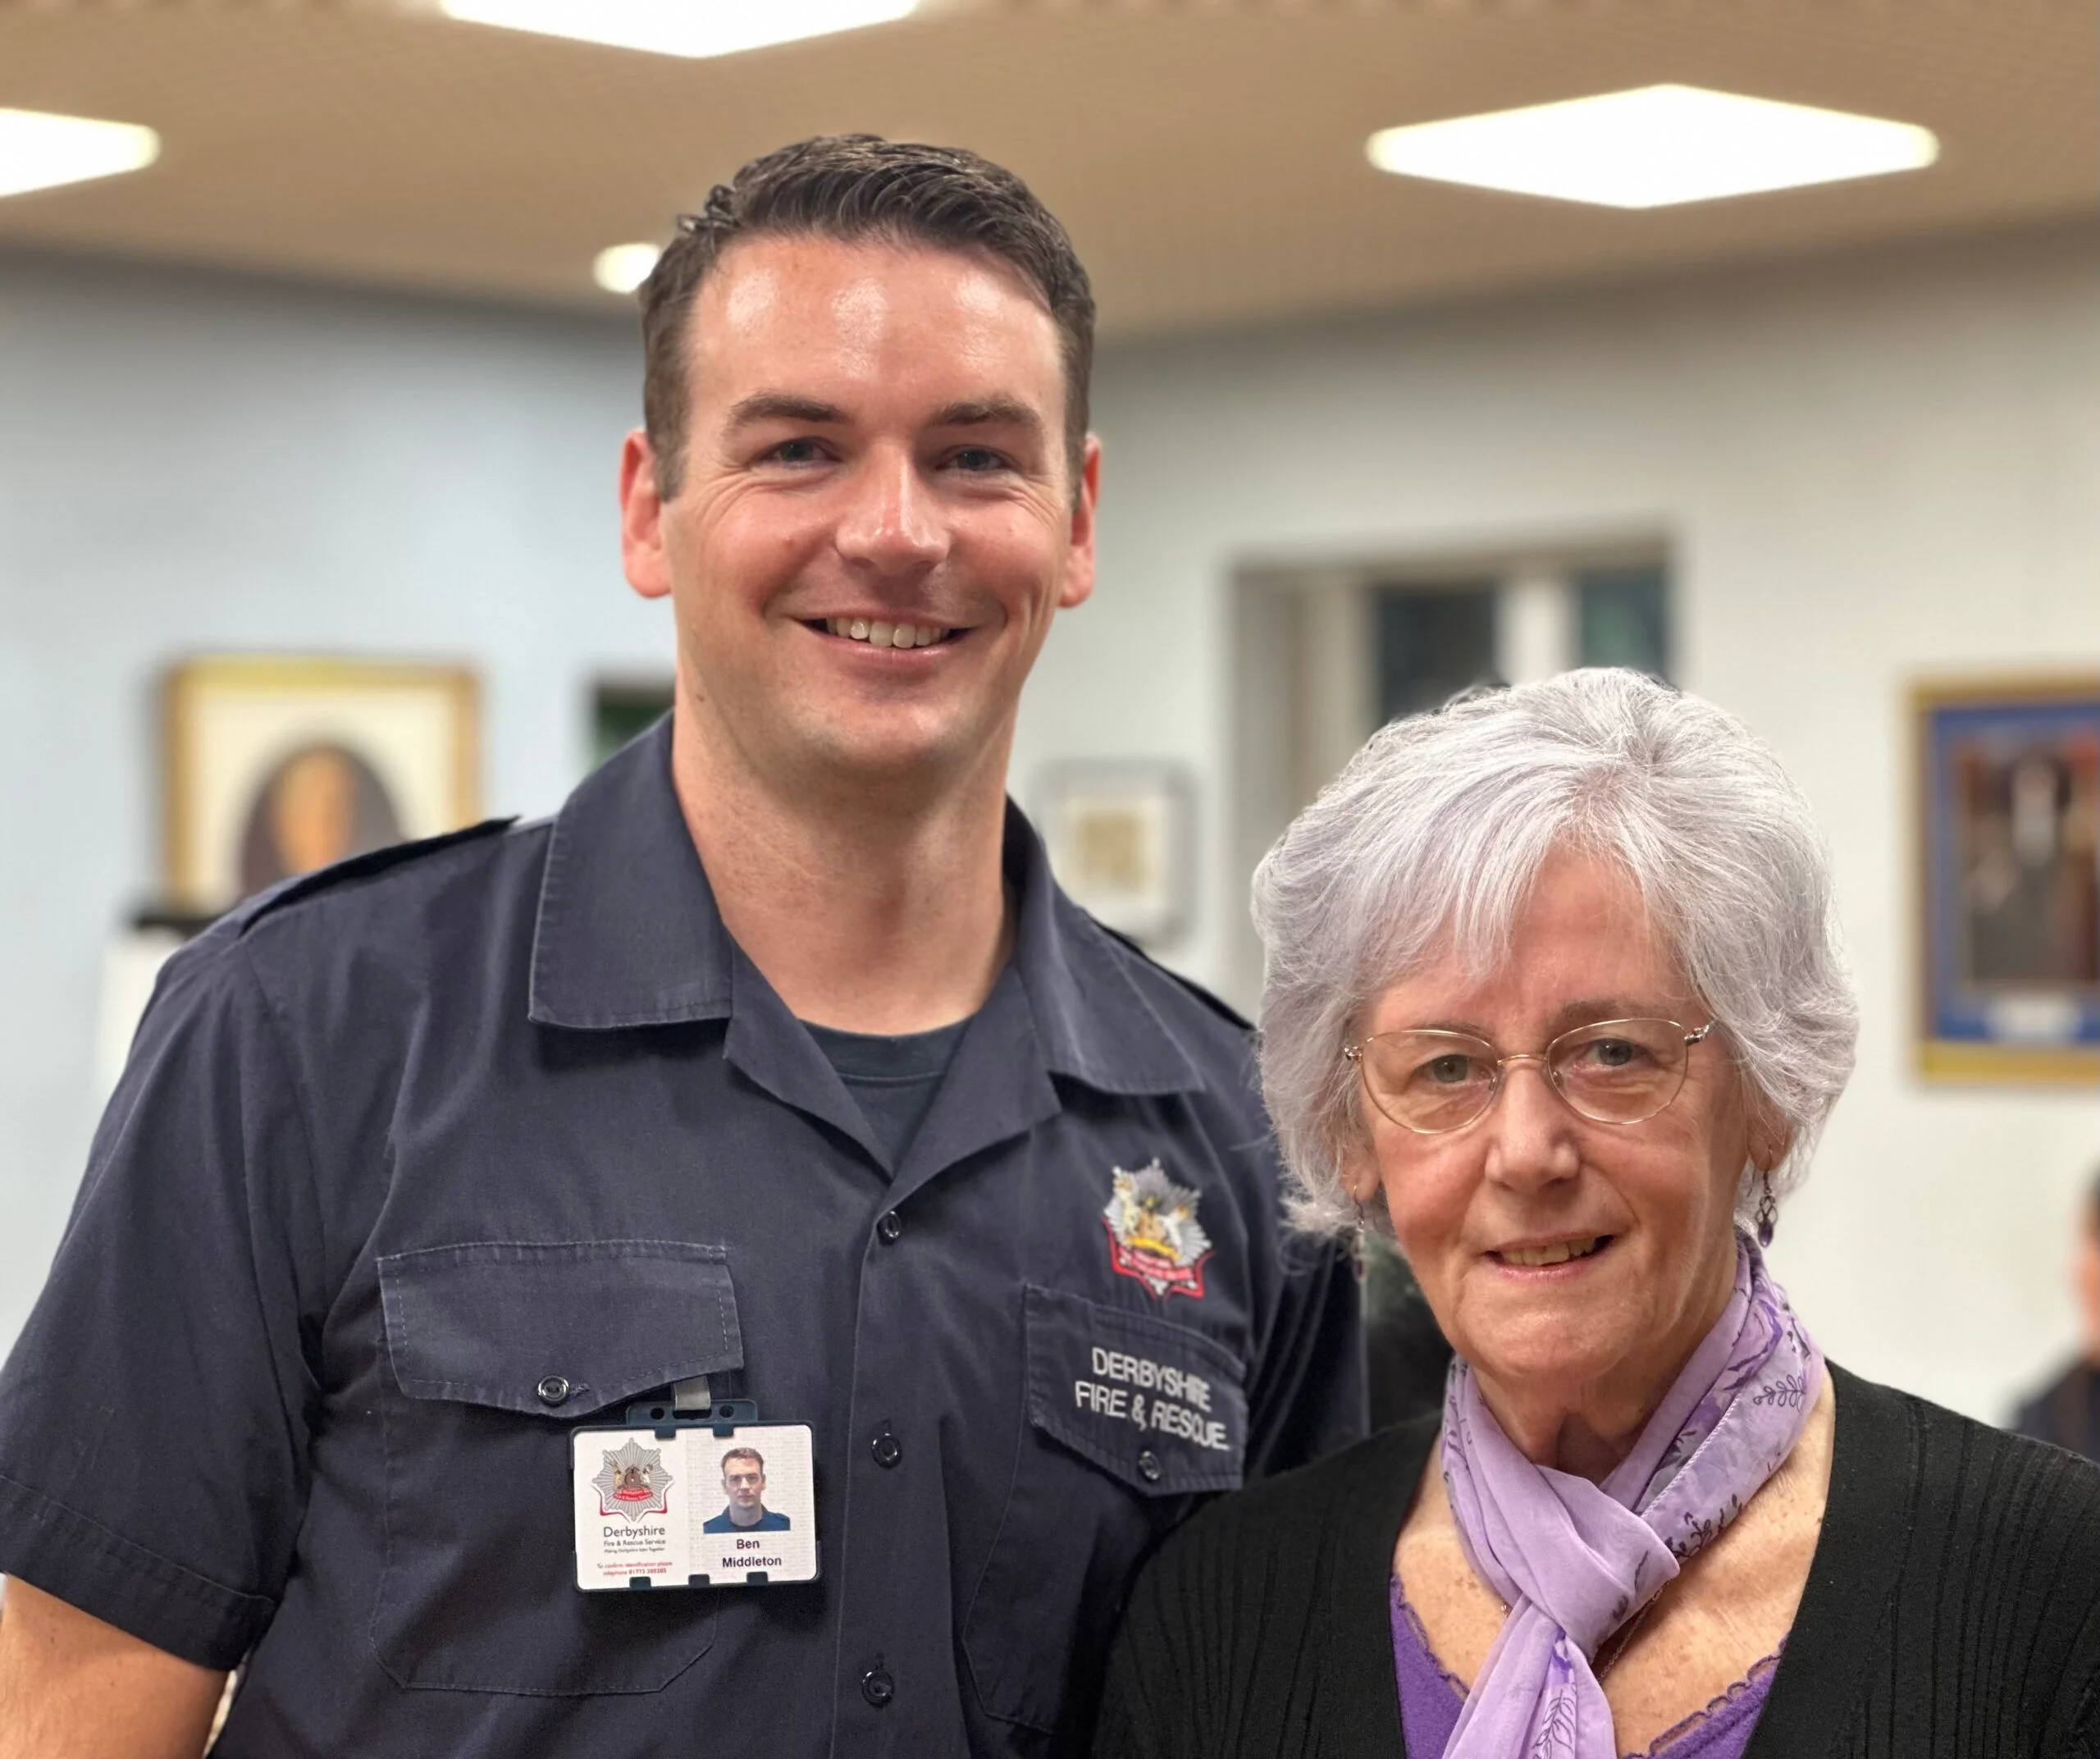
(419, 1162)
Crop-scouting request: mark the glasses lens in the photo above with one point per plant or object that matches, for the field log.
(1619, 1071)
(1427, 1081)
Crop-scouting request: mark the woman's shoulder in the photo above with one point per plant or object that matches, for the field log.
(1958, 1567)
(1951, 1466)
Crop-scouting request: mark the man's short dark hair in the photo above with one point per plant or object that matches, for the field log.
(743, 1453)
(857, 188)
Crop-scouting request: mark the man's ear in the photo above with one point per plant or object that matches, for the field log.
(641, 519)
(1079, 568)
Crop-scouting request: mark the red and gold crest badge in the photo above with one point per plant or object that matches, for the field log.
(1153, 1234)
(632, 1482)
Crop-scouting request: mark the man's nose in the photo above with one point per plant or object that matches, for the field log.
(892, 523)
(1531, 1132)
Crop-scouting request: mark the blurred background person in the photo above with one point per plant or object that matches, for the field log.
(2067, 1412)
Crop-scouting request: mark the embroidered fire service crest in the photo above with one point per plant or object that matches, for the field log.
(632, 1482)
(1153, 1234)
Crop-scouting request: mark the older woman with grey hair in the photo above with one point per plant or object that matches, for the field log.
(1554, 996)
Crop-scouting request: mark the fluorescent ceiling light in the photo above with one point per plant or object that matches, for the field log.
(39, 151)
(679, 27)
(1653, 147)
(621, 268)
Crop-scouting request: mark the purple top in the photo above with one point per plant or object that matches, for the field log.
(1430, 1698)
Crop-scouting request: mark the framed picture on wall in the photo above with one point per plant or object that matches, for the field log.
(277, 764)
(1121, 837)
(2009, 835)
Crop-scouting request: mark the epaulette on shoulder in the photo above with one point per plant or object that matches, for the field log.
(286, 891)
(1223, 1010)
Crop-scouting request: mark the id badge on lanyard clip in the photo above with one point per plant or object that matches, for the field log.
(691, 1494)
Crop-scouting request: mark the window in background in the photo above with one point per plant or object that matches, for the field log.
(1432, 641)
(1623, 618)
(1326, 652)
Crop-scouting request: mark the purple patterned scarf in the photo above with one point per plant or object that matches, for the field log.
(1574, 1559)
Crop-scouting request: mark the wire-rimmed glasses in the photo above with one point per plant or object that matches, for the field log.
(1614, 1071)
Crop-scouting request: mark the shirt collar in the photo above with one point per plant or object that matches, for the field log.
(629, 935)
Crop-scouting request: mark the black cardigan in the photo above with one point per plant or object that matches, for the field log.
(1952, 1607)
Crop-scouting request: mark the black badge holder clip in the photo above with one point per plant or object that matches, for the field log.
(689, 1407)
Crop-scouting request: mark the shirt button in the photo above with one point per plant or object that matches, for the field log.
(878, 1687)
(1149, 1466)
(886, 1448)
(889, 1228)
(553, 1390)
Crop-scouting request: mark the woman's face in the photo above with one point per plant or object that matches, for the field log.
(1656, 1198)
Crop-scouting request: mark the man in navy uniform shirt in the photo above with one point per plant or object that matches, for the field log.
(776, 1060)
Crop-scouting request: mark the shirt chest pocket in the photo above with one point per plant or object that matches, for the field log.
(495, 1351)
(1128, 1417)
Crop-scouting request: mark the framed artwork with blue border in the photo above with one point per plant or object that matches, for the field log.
(2009, 796)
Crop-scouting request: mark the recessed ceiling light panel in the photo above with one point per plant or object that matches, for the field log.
(679, 27)
(621, 268)
(1652, 148)
(40, 151)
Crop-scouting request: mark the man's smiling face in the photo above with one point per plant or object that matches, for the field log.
(875, 456)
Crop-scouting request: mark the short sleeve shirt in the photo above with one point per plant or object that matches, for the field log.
(422, 1161)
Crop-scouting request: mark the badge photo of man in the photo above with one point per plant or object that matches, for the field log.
(774, 1067)
(743, 1482)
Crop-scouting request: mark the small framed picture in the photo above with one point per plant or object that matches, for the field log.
(278, 764)
(2009, 840)
(1121, 837)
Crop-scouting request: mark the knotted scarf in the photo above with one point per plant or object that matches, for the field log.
(1575, 1559)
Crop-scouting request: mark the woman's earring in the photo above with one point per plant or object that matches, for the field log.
(1768, 1211)
(1360, 1242)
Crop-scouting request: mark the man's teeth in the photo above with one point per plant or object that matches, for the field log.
(1559, 1253)
(879, 634)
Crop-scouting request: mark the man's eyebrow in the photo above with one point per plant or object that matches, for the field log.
(991, 411)
(784, 406)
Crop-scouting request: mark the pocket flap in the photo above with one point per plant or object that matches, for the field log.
(1160, 1406)
(610, 1319)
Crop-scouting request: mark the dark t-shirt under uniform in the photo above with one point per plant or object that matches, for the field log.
(893, 1078)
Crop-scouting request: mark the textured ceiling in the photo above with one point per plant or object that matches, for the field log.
(1207, 157)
